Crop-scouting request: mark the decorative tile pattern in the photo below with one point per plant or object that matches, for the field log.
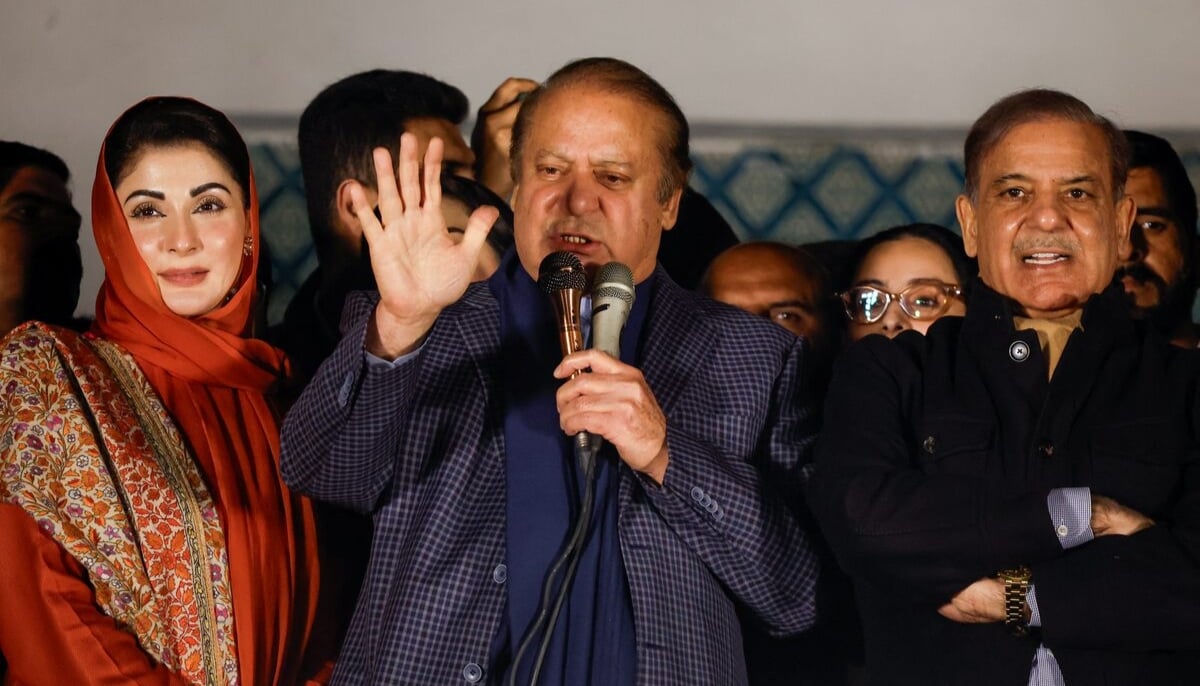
(284, 221)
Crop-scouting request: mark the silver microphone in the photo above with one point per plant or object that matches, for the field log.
(612, 299)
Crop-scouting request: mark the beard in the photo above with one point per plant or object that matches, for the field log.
(1174, 306)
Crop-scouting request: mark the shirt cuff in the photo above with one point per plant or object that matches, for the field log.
(1035, 617)
(376, 362)
(1071, 515)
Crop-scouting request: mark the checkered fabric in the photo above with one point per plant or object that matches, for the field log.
(421, 446)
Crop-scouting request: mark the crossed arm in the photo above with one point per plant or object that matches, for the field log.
(939, 539)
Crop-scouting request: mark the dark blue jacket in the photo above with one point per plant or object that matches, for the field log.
(933, 468)
(421, 446)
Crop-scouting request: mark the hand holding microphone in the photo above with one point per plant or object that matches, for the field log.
(613, 401)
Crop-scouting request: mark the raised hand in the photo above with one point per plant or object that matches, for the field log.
(492, 136)
(418, 267)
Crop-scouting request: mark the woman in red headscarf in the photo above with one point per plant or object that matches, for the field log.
(145, 534)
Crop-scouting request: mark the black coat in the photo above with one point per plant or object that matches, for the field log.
(934, 466)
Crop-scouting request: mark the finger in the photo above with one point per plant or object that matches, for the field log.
(390, 207)
(410, 177)
(618, 397)
(585, 414)
(607, 405)
(575, 362)
(479, 224)
(591, 422)
(507, 92)
(596, 360)
(503, 118)
(569, 393)
(950, 612)
(364, 212)
(433, 175)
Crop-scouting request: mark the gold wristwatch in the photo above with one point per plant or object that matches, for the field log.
(1016, 586)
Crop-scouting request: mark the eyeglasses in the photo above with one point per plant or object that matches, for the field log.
(926, 300)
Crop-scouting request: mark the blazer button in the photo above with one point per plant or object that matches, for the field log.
(697, 494)
(1046, 449)
(1019, 351)
(929, 445)
(500, 573)
(472, 673)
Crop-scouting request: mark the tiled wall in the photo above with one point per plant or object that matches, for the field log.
(779, 184)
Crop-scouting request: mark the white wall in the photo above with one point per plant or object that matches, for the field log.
(69, 67)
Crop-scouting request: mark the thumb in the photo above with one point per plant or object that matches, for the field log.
(478, 226)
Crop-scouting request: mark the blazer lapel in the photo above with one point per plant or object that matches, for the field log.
(675, 344)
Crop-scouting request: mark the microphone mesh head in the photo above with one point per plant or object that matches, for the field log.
(614, 280)
(561, 270)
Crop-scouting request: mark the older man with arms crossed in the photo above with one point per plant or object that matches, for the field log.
(446, 411)
(1017, 494)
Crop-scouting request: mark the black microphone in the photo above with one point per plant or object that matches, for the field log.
(561, 276)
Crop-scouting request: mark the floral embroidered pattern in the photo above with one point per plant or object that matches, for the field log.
(102, 469)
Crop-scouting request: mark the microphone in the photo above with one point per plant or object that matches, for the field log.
(612, 298)
(561, 276)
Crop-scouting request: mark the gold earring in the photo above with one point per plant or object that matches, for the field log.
(248, 246)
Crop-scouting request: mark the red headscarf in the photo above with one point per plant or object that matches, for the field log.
(213, 381)
(210, 349)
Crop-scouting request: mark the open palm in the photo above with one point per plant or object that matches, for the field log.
(419, 268)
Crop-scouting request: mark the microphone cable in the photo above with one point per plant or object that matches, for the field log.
(569, 556)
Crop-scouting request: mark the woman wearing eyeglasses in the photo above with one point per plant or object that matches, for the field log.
(906, 278)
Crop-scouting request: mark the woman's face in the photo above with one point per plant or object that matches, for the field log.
(189, 222)
(896, 265)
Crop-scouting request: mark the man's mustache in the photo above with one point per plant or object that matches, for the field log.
(1142, 274)
(1053, 242)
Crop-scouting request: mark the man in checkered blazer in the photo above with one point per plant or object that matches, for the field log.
(433, 412)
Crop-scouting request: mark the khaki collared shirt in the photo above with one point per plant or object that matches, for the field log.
(1052, 335)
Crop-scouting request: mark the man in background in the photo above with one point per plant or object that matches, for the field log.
(786, 285)
(338, 130)
(780, 282)
(40, 263)
(1160, 276)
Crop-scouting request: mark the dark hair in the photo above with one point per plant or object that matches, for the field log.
(16, 156)
(475, 195)
(51, 289)
(350, 118)
(166, 122)
(949, 242)
(616, 76)
(1149, 151)
(1038, 104)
